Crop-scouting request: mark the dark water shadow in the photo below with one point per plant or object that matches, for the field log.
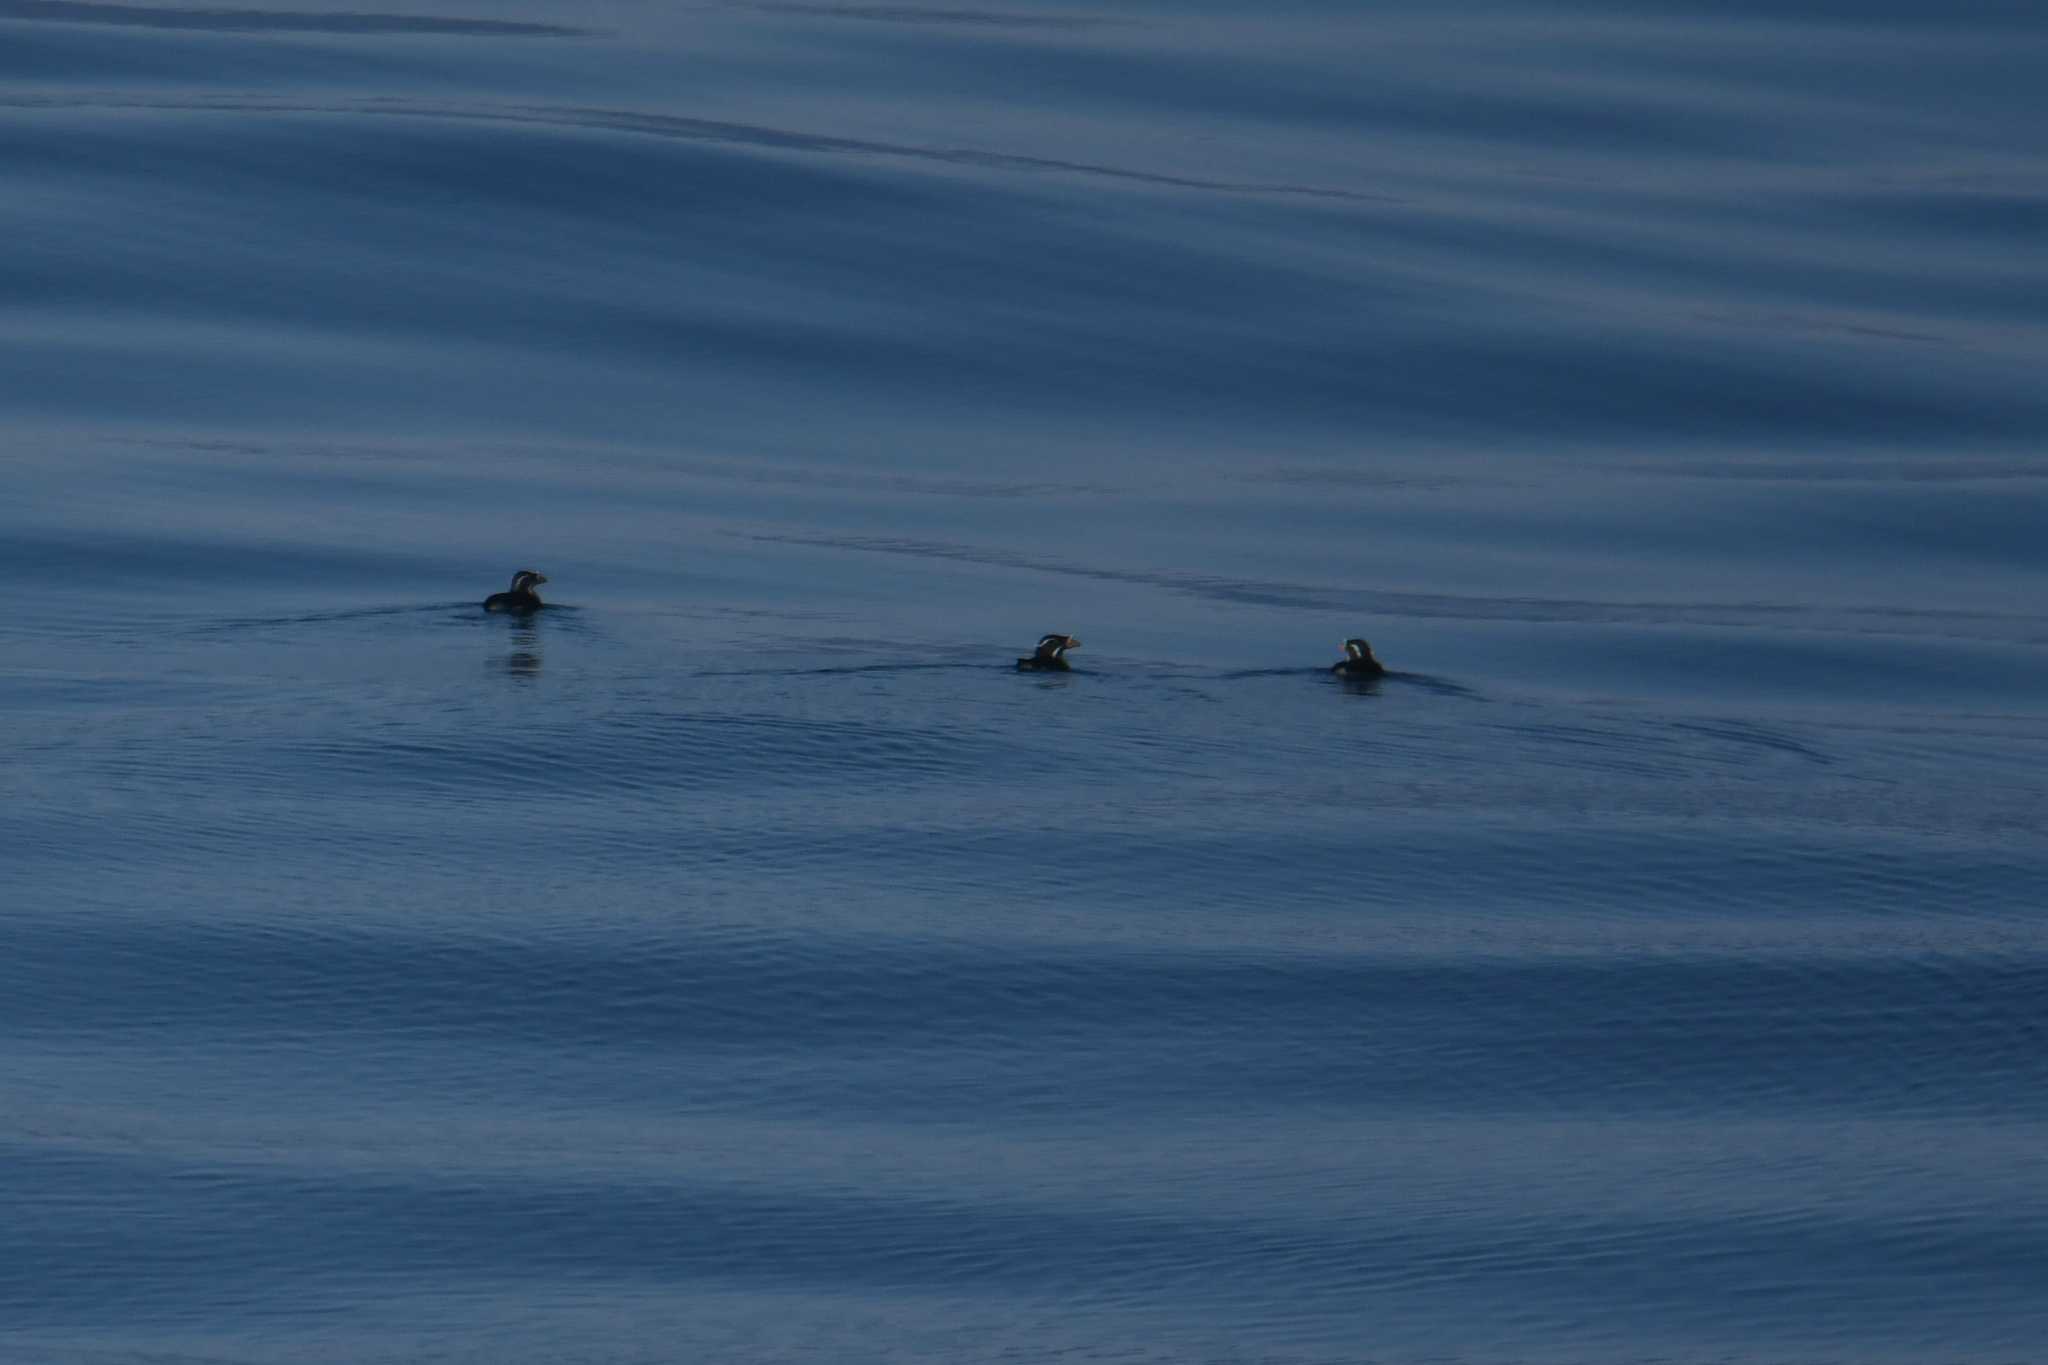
(470, 613)
(1750, 735)
(1043, 679)
(273, 21)
(1236, 674)
(934, 17)
(1441, 687)
(555, 617)
(1008, 669)
(1870, 619)
(833, 671)
(1357, 686)
(241, 625)
(921, 14)
(1187, 679)
(713, 131)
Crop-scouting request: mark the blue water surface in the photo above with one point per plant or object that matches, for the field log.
(741, 961)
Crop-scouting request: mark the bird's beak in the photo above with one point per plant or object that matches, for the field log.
(540, 578)
(1073, 643)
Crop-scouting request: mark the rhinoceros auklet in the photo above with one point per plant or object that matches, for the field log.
(1358, 661)
(520, 596)
(1051, 654)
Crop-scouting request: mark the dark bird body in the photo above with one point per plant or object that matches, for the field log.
(1050, 656)
(520, 596)
(1358, 662)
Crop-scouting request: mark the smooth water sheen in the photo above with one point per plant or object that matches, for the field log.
(742, 962)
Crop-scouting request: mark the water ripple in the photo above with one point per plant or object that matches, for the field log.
(222, 20)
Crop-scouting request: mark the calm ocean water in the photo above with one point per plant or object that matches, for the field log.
(741, 962)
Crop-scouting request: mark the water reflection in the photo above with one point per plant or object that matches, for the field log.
(525, 660)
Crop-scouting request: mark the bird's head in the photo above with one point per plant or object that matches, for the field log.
(1055, 646)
